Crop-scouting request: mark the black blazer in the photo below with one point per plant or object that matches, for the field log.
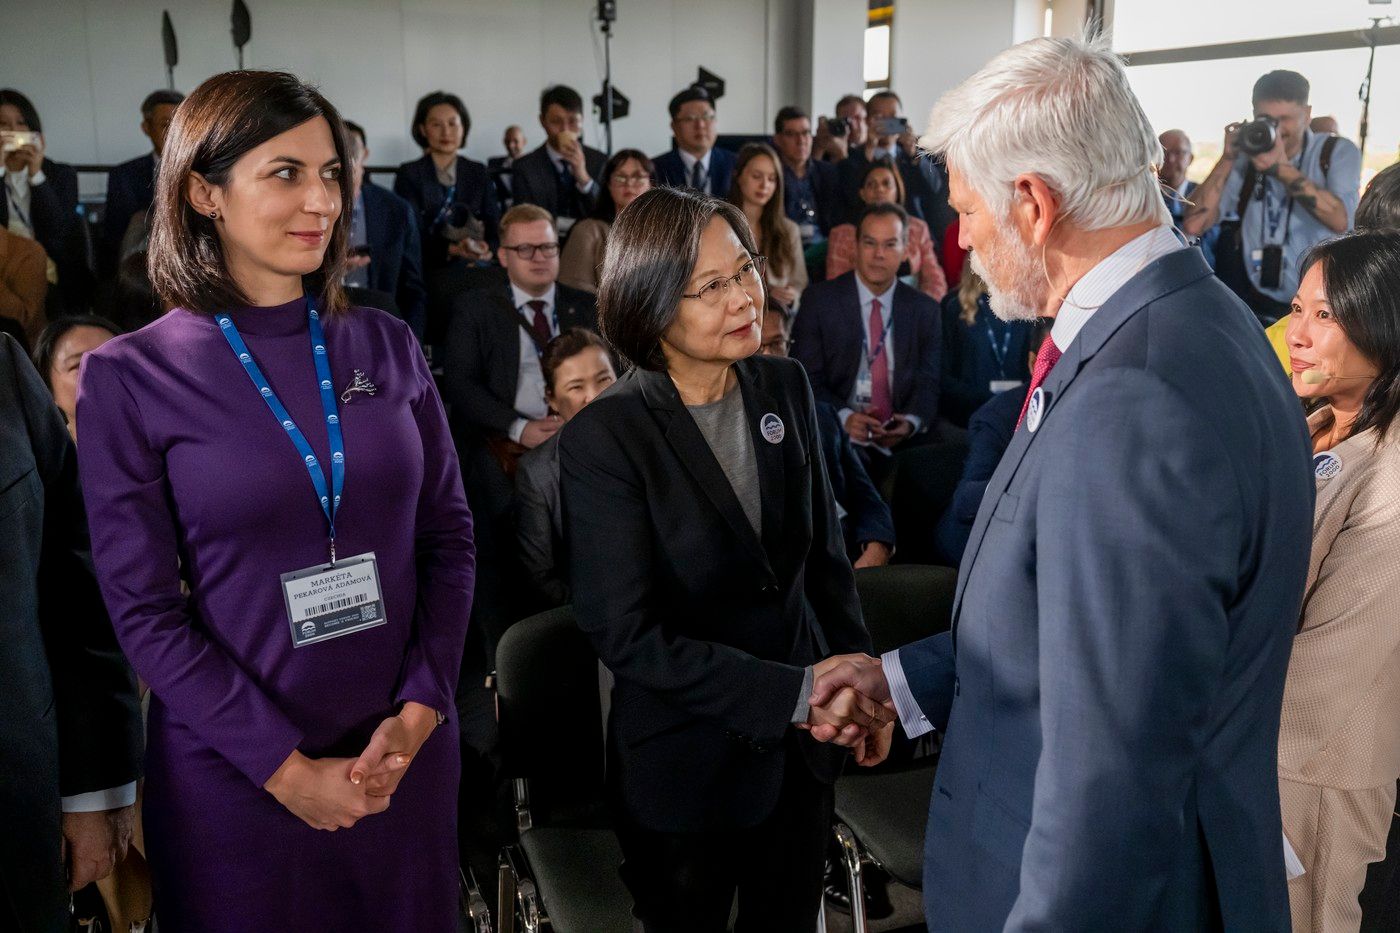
(501, 174)
(826, 192)
(395, 254)
(53, 209)
(72, 721)
(868, 517)
(670, 170)
(481, 366)
(706, 626)
(131, 188)
(417, 183)
(534, 181)
(828, 338)
(539, 525)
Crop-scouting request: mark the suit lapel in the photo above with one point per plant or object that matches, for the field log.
(772, 470)
(906, 332)
(505, 325)
(851, 344)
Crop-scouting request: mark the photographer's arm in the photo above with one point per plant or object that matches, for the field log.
(1321, 203)
(1204, 211)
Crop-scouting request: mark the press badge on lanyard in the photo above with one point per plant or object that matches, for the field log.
(338, 597)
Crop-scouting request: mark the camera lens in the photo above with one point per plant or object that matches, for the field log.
(1258, 136)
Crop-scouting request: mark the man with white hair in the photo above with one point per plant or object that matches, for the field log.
(1111, 687)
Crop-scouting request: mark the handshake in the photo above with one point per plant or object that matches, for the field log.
(851, 706)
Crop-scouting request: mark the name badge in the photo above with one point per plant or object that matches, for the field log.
(999, 386)
(326, 601)
(865, 391)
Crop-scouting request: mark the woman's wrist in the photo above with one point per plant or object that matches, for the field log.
(285, 774)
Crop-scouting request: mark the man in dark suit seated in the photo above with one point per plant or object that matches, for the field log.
(872, 344)
(131, 185)
(865, 517)
(385, 252)
(71, 734)
(693, 161)
(1177, 156)
(500, 167)
(891, 137)
(560, 176)
(811, 192)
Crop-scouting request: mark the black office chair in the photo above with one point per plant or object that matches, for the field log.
(923, 482)
(563, 875)
(880, 813)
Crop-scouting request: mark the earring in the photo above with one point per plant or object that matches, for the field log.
(213, 215)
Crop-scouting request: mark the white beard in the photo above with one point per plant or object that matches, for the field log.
(1013, 263)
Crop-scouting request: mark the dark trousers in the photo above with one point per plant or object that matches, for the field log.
(686, 882)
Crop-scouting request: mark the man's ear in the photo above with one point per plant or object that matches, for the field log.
(204, 197)
(1034, 207)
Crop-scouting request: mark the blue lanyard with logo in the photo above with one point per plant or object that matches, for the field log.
(446, 206)
(1000, 354)
(1284, 213)
(330, 500)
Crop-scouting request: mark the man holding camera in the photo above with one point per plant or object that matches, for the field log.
(890, 137)
(1280, 188)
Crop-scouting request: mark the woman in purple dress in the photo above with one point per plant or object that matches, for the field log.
(286, 458)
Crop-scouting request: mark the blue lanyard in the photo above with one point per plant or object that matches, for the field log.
(1005, 348)
(330, 502)
(446, 206)
(14, 206)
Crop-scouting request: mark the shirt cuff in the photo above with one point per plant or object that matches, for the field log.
(804, 708)
(916, 421)
(843, 414)
(912, 718)
(589, 189)
(38, 178)
(517, 428)
(113, 798)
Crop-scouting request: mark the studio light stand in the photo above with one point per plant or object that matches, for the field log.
(607, 15)
(1372, 36)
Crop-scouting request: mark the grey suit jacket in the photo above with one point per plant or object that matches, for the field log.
(539, 522)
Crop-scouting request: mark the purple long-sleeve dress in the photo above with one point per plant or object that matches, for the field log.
(187, 474)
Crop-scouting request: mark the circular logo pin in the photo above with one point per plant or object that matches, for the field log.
(771, 427)
(1326, 466)
(1035, 410)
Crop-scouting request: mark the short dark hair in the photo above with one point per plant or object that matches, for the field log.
(885, 95)
(160, 98)
(689, 95)
(651, 254)
(47, 344)
(352, 127)
(606, 208)
(882, 210)
(848, 99)
(426, 103)
(1379, 208)
(224, 118)
(9, 95)
(1282, 85)
(785, 114)
(561, 95)
(570, 343)
(1361, 274)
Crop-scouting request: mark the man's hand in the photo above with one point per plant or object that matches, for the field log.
(1231, 145)
(93, 843)
(901, 429)
(875, 747)
(573, 157)
(382, 764)
(848, 718)
(859, 672)
(863, 428)
(470, 249)
(540, 430)
(909, 142)
(356, 261)
(318, 791)
(873, 554)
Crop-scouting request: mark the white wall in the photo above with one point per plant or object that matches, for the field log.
(87, 63)
(837, 44)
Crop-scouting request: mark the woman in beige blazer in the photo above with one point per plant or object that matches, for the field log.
(628, 175)
(1339, 742)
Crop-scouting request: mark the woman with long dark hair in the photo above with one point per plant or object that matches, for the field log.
(627, 176)
(757, 190)
(286, 458)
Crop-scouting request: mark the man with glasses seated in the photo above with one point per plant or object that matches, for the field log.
(693, 161)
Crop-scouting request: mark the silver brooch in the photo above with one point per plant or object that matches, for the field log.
(360, 383)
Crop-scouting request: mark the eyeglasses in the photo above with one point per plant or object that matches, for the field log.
(778, 346)
(705, 118)
(628, 181)
(750, 276)
(528, 250)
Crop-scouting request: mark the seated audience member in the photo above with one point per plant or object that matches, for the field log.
(385, 253)
(452, 196)
(889, 136)
(24, 284)
(577, 366)
(982, 354)
(1339, 741)
(1325, 126)
(1177, 156)
(41, 203)
(131, 186)
(500, 166)
(757, 190)
(811, 194)
(1279, 203)
(882, 184)
(560, 176)
(872, 344)
(866, 519)
(628, 174)
(693, 161)
(835, 140)
(59, 352)
(989, 433)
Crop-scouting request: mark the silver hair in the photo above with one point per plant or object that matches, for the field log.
(1061, 109)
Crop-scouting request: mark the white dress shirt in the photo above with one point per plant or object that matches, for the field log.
(529, 385)
(1089, 294)
(689, 161)
(17, 192)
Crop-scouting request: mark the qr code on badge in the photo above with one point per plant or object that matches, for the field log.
(367, 613)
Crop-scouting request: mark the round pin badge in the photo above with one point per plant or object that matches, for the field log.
(1035, 410)
(772, 429)
(1327, 466)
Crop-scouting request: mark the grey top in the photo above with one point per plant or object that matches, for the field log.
(725, 426)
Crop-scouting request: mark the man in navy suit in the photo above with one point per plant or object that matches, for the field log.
(1111, 687)
(385, 252)
(811, 192)
(560, 176)
(693, 161)
(131, 185)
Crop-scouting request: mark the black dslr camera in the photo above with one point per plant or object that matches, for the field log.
(1257, 136)
(836, 126)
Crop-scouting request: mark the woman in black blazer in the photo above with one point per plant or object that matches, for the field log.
(445, 225)
(710, 575)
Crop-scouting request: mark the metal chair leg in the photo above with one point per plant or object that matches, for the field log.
(850, 855)
(473, 904)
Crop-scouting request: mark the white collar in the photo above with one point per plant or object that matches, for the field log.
(866, 295)
(1109, 275)
(689, 160)
(522, 297)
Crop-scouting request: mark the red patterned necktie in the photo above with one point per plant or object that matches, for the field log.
(1045, 361)
(543, 334)
(881, 405)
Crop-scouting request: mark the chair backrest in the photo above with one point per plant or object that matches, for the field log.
(551, 729)
(905, 602)
(925, 479)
